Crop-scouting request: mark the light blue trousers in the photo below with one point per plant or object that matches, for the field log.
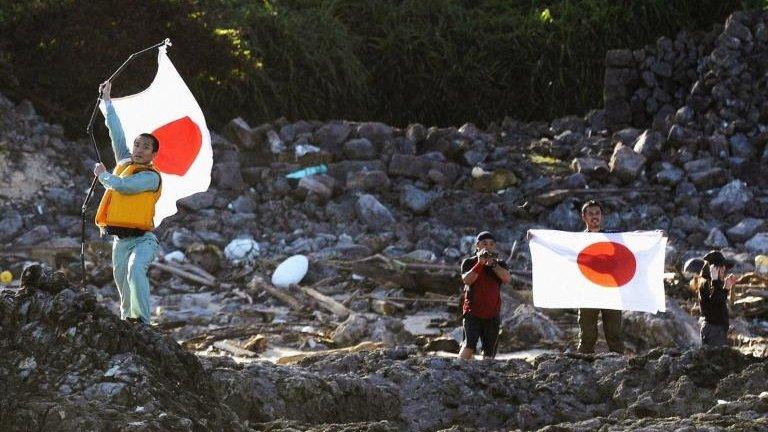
(130, 262)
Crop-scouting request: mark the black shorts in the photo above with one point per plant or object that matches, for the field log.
(486, 330)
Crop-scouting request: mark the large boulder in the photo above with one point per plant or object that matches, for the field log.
(758, 244)
(528, 328)
(673, 328)
(625, 164)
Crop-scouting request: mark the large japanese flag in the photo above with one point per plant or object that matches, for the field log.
(168, 110)
(621, 271)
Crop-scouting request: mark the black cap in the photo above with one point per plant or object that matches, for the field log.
(485, 235)
(715, 257)
(693, 266)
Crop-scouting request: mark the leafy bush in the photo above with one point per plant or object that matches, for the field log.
(399, 61)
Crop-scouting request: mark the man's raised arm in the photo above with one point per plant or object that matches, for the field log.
(116, 133)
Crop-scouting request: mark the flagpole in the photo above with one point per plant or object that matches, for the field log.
(89, 131)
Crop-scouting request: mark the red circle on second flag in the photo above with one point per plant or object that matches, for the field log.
(607, 264)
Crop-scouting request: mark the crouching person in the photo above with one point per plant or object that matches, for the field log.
(482, 275)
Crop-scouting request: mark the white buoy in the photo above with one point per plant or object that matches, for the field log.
(291, 271)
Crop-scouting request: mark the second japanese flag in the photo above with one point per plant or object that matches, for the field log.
(621, 271)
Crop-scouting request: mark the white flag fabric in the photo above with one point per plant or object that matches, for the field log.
(168, 110)
(623, 271)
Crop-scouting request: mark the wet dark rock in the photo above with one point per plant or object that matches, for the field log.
(66, 354)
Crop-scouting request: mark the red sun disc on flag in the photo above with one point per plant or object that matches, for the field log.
(180, 142)
(608, 264)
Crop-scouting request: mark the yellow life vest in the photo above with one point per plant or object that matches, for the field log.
(128, 211)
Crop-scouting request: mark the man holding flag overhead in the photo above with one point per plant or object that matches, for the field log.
(127, 212)
(171, 158)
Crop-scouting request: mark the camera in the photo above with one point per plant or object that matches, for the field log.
(486, 254)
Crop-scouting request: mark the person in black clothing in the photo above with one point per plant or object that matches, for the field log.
(482, 275)
(713, 288)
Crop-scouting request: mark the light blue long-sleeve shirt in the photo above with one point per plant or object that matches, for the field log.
(140, 182)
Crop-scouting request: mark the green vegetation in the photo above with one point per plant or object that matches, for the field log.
(433, 61)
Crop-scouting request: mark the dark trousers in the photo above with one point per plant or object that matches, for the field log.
(611, 329)
(714, 334)
(484, 330)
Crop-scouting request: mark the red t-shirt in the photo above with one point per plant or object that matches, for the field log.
(483, 298)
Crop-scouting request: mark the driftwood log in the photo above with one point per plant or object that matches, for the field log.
(414, 277)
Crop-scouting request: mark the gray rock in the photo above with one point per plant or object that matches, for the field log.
(416, 133)
(625, 164)
(408, 166)
(243, 204)
(758, 244)
(626, 136)
(745, 229)
(373, 214)
(375, 132)
(227, 175)
(650, 144)
(469, 131)
(710, 178)
(330, 136)
(670, 176)
(565, 218)
(11, 224)
(368, 181)
(527, 328)
(416, 199)
(699, 165)
(732, 198)
(34, 236)
(239, 133)
(276, 145)
(590, 167)
(575, 181)
(673, 328)
(740, 146)
(474, 157)
(684, 115)
(320, 185)
(734, 28)
(716, 239)
(199, 201)
(360, 149)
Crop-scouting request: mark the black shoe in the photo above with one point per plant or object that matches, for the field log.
(136, 321)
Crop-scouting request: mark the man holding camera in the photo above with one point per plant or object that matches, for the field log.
(482, 275)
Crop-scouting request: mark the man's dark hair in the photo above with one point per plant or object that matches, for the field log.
(591, 203)
(155, 141)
